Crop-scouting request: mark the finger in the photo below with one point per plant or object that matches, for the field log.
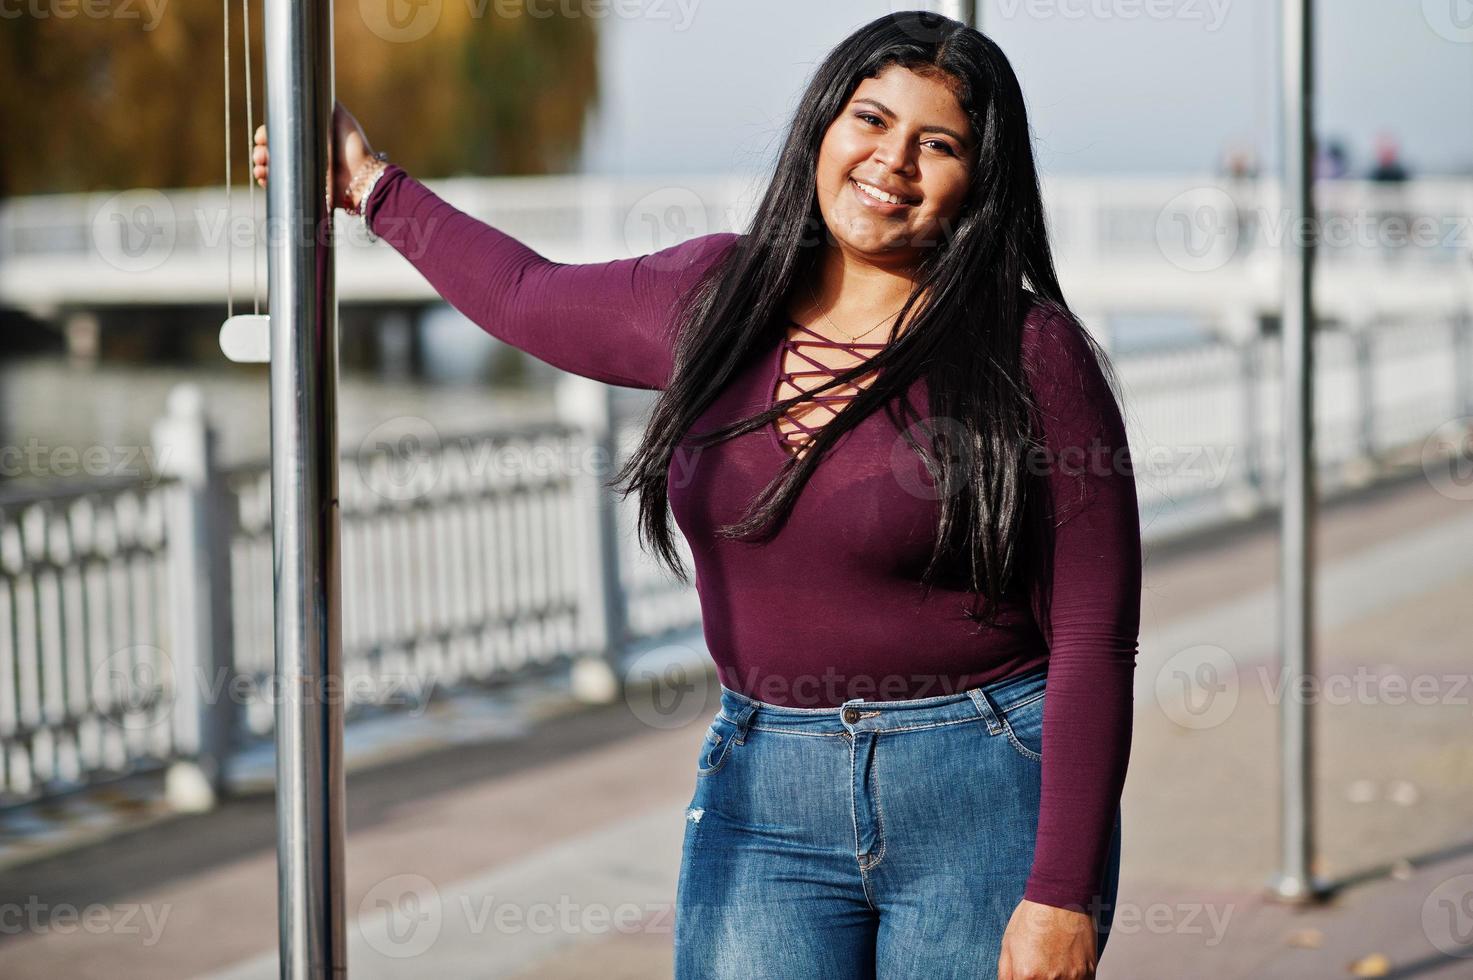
(261, 134)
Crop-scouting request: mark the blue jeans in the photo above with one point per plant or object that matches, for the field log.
(886, 839)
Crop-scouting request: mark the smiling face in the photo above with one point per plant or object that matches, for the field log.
(905, 134)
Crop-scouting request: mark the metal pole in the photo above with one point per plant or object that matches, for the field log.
(963, 10)
(1294, 882)
(310, 781)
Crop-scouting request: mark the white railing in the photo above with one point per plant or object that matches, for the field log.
(136, 621)
(1125, 244)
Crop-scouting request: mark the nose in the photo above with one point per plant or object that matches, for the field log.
(893, 150)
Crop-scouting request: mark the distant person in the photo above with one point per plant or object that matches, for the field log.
(1240, 168)
(926, 664)
(1388, 168)
(1334, 163)
(1240, 162)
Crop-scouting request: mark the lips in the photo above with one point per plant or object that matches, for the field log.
(905, 201)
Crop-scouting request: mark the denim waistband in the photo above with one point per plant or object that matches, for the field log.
(857, 714)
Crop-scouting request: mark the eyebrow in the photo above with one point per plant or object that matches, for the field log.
(887, 111)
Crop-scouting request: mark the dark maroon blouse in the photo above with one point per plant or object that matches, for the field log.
(853, 624)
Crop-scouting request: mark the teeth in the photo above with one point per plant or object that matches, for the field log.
(876, 193)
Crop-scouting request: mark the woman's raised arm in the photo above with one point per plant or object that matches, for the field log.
(610, 321)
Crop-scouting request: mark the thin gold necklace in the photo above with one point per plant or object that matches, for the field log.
(852, 340)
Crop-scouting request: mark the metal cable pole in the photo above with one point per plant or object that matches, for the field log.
(963, 10)
(310, 783)
(1294, 882)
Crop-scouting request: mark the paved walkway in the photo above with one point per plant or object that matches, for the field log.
(555, 855)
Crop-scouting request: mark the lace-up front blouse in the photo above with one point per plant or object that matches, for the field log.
(797, 434)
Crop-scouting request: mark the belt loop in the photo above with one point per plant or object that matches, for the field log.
(986, 709)
(743, 718)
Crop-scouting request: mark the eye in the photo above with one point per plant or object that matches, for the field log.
(944, 146)
(867, 116)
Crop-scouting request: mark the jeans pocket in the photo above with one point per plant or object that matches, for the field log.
(716, 747)
(1023, 725)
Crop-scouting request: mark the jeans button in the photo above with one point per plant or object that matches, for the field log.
(851, 715)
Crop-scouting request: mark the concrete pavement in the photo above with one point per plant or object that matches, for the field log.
(552, 852)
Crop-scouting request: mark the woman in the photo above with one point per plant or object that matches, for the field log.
(926, 644)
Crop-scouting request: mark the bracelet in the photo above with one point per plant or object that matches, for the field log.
(376, 166)
(355, 205)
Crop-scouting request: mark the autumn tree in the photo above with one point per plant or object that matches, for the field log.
(132, 95)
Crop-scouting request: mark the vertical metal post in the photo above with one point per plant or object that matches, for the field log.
(310, 783)
(1362, 337)
(1249, 379)
(963, 10)
(201, 634)
(1463, 362)
(1294, 882)
(589, 405)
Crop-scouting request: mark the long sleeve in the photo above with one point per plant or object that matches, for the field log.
(610, 321)
(1093, 611)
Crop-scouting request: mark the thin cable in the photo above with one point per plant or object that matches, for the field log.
(229, 279)
(251, 142)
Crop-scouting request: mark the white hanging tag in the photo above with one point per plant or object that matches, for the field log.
(246, 338)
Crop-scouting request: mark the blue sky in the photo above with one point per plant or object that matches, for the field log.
(1113, 86)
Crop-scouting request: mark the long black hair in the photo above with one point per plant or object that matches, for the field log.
(972, 293)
